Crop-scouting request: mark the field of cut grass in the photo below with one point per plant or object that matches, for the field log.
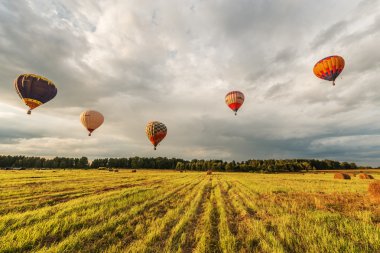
(157, 211)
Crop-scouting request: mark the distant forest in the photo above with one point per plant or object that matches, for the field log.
(271, 165)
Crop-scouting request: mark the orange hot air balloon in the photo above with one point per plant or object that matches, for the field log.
(34, 90)
(91, 120)
(234, 100)
(156, 132)
(329, 68)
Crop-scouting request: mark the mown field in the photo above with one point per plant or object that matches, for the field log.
(156, 211)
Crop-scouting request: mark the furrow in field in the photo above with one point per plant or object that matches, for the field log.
(111, 230)
(154, 234)
(205, 237)
(248, 227)
(33, 189)
(213, 244)
(56, 197)
(181, 234)
(15, 221)
(227, 227)
(264, 235)
(194, 224)
(58, 226)
(232, 214)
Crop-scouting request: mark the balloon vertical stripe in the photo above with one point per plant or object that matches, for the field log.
(234, 100)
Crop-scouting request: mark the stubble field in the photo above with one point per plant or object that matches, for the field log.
(158, 211)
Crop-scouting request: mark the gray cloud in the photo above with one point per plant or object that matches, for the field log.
(328, 35)
(174, 62)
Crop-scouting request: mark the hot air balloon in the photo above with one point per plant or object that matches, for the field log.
(91, 120)
(34, 90)
(156, 132)
(329, 68)
(234, 100)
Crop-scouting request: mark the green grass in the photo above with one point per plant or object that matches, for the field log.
(160, 211)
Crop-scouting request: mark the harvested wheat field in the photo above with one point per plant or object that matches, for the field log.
(157, 211)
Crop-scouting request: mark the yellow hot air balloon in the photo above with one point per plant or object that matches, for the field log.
(156, 132)
(91, 120)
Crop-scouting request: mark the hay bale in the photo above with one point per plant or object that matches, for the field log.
(133, 171)
(374, 191)
(110, 170)
(116, 171)
(365, 176)
(209, 172)
(341, 176)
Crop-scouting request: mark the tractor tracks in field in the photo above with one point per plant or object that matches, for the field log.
(190, 231)
(101, 220)
(151, 221)
(214, 245)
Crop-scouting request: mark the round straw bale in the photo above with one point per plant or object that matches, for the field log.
(365, 176)
(341, 176)
(209, 172)
(133, 171)
(374, 191)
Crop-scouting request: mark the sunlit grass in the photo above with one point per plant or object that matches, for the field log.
(161, 211)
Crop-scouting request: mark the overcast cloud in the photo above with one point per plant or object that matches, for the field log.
(174, 61)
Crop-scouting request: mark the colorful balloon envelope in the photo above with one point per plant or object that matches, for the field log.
(234, 100)
(34, 90)
(91, 120)
(156, 132)
(329, 68)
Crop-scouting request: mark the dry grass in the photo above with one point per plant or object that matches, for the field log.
(341, 176)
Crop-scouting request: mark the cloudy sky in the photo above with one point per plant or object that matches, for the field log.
(174, 61)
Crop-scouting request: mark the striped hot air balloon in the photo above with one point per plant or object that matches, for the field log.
(156, 132)
(34, 90)
(91, 120)
(329, 68)
(234, 100)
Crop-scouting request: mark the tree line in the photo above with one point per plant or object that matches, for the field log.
(270, 165)
(40, 162)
